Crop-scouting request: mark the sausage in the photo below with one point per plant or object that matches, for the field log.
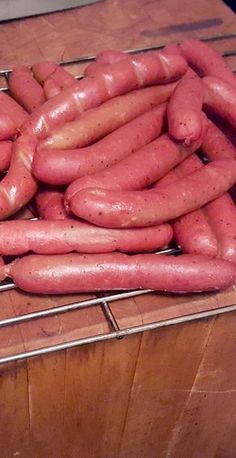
(50, 205)
(145, 208)
(42, 70)
(221, 214)
(192, 231)
(8, 128)
(58, 237)
(184, 109)
(64, 166)
(25, 89)
(11, 110)
(74, 273)
(5, 154)
(206, 60)
(103, 59)
(220, 97)
(60, 79)
(18, 186)
(98, 122)
(137, 171)
(216, 145)
(139, 71)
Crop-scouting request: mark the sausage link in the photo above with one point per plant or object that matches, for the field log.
(6, 148)
(64, 166)
(220, 97)
(25, 89)
(144, 208)
(76, 273)
(139, 71)
(50, 205)
(98, 122)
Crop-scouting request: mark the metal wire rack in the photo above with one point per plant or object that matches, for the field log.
(104, 300)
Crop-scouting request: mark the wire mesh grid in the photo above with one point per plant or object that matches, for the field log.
(104, 300)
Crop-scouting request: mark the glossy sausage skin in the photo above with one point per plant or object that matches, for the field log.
(6, 148)
(60, 79)
(58, 237)
(18, 186)
(12, 111)
(216, 145)
(25, 89)
(221, 214)
(98, 122)
(89, 273)
(141, 70)
(8, 128)
(184, 109)
(206, 60)
(139, 170)
(220, 98)
(64, 166)
(145, 208)
(192, 231)
(50, 205)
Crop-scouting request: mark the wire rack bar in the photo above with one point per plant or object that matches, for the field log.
(116, 334)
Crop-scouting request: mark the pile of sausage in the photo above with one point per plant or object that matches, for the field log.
(138, 154)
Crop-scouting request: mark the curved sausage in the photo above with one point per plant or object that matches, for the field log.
(58, 237)
(25, 89)
(206, 60)
(145, 208)
(87, 273)
(216, 145)
(10, 109)
(139, 71)
(184, 110)
(6, 148)
(18, 186)
(220, 97)
(98, 122)
(137, 171)
(64, 166)
(50, 205)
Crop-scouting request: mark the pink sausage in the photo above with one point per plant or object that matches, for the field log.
(76, 273)
(42, 70)
(206, 60)
(100, 121)
(6, 148)
(60, 79)
(64, 166)
(50, 205)
(184, 109)
(18, 186)
(137, 171)
(11, 110)
(220, 97)
(57, 237)
(139, 71)
(25, 89)
(145, 208)
(216, 145)
(8, 128)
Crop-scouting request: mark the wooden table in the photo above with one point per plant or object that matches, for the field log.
(164, 393)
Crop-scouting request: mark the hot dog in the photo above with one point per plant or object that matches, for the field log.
(184, 109)
(137, 171)
(64, 166)
(18, 186)
(25, 89)
(216, 145)
(60, 79)
(220, 97)
(98, 122)
(50, 205)
(79, 273)
(103, 59)
(139, 71)
(57, 237)
(206, 60)
(145, 208)
(42, 70)
(6, 148)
